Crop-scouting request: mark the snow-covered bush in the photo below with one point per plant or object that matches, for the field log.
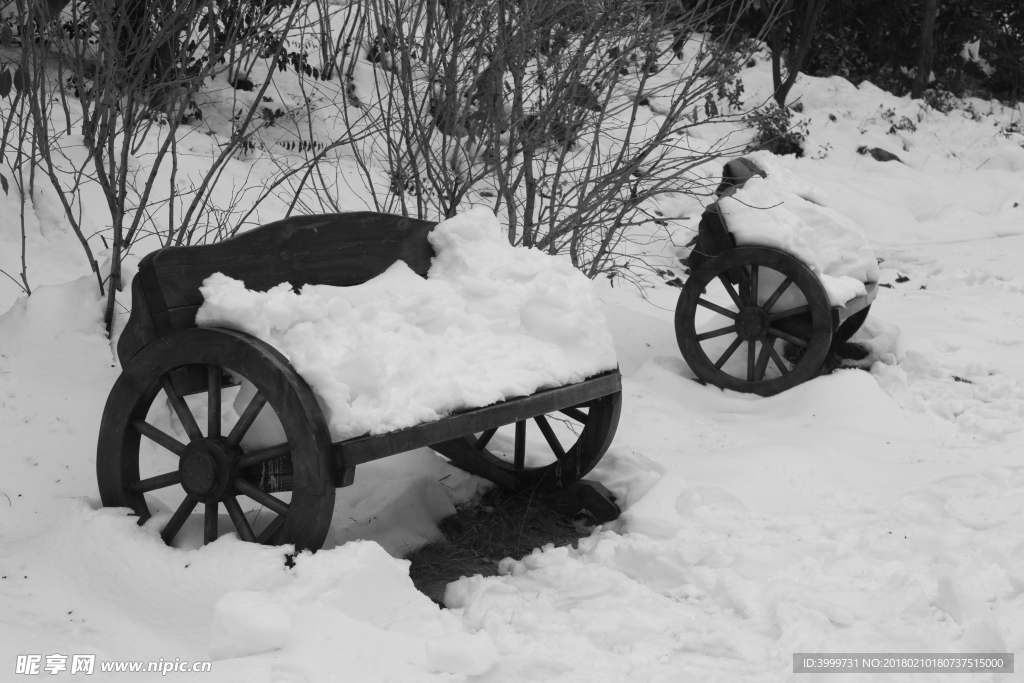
(941, 100)
(776, 130)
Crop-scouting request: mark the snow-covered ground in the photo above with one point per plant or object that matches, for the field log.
(865, 511)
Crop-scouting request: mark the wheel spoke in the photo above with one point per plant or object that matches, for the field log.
(267, 535)
(732, 292)
(210, 523)
(788, 337)
(716, 308)
(753, 284)
(789, 313)
(263, 455)
(776, 294)
(262, 497)
(158, 436)
(575, 414)
(778, 361)
(482, 442)
(520, 447)
(762, 358)
(213, 374)
(161, 481)
(728, 352)
(715, 333)
(751, 360)
(246, 420)
(549, 436)
(178, 518)
(188, 420)
(238, 519)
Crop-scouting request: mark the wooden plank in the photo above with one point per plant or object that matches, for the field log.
(192, 379)
(446, 436)
(800, 325)
(330, 249)
(373, 447)
(183, 317)
(139, 330)
(859, 303)
(461, 452)
(154, 295)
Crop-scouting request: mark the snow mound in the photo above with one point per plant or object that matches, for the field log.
(786, 213)
(248, 623)
(235, 603)
(462, 653)
(359, 602)
(490, 322)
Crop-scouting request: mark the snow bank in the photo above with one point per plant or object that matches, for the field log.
(696, 585)
(490, 322)
(357, 601)
(352, 609)
(787, 213)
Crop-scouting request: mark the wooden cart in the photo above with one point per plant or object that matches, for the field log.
(163, 351)
(796, 340)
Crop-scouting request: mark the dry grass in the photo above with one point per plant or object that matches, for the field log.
(480, 534)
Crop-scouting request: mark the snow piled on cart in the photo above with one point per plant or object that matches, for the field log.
(490, 322)
(787, 213)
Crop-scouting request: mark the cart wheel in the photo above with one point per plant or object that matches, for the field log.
(210, 467)
(532, 453)
(772, 304)
(851, 325)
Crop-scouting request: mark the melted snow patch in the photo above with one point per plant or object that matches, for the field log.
(490, 322)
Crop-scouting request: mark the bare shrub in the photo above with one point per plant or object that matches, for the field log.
(569, 118)
(111, 89)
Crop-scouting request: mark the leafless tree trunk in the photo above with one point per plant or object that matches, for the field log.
(926, 50)
(792, 30)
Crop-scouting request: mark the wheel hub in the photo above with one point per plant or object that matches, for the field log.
(752, 323)
(206, 470)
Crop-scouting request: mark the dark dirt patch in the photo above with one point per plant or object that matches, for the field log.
(480, 534)
(840, 352)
